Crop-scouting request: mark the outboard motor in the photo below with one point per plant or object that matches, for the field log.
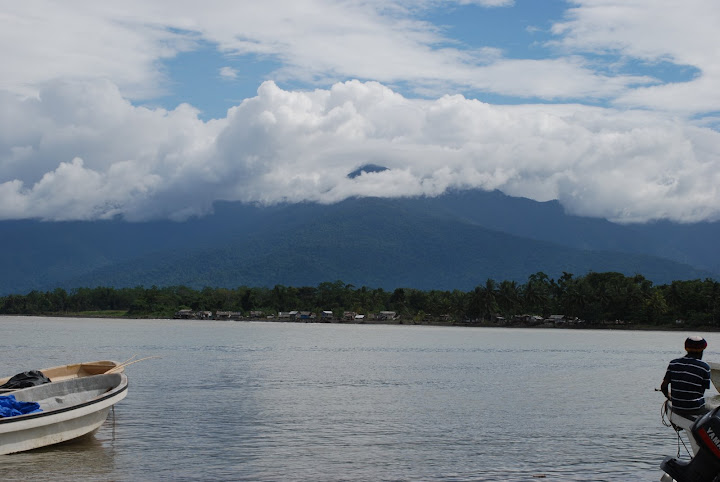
(705, 465)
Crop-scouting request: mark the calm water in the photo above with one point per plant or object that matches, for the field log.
(271, 401)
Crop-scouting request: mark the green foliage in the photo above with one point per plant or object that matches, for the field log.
(595, 298)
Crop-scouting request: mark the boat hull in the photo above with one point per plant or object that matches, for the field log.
(71, 413)
(715, 374)
(53, 433)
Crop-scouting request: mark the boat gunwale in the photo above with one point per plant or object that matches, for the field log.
(73, 370)
(122, 386)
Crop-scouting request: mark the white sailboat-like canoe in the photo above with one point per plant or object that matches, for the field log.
(70, 408)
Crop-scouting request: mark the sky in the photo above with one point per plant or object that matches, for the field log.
(156, 109)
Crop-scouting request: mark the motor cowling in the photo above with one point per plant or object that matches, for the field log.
(705, 465)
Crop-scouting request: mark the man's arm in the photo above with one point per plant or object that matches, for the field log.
(664, 388)
(707, 381)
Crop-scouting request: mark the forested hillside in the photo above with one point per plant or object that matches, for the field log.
(452, 242)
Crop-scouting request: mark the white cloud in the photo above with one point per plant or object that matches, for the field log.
(74, 146)
(94, 155)
(682, 33)
(45, 40)
(315, 41)
(81, 151)
(228, 73)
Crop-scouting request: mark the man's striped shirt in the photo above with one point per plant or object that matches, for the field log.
(689, 378)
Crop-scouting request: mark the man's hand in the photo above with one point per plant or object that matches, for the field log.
(664, 388)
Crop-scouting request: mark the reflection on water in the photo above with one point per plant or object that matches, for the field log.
(86, 458)
(271, 401)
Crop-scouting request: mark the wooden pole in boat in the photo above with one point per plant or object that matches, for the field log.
(123, 365)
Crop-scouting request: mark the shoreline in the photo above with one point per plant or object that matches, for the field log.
(583, 326)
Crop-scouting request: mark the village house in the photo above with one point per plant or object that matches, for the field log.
(386, 315)
(184, 314)
(530, 320)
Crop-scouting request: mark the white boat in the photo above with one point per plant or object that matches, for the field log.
(683, 422)
(704, 463)
(71, 408)
(715, 374)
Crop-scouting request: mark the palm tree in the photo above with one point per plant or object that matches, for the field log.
(537, 293)
(509, 297)
(483, 303)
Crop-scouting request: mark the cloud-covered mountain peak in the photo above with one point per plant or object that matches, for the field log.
(366, 169)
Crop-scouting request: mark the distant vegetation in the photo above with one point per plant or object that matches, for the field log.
(594, 298)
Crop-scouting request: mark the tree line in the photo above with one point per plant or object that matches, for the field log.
(595, 298)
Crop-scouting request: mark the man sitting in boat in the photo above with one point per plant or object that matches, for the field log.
(688, 378)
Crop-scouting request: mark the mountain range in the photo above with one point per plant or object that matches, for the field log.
(454, 241)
